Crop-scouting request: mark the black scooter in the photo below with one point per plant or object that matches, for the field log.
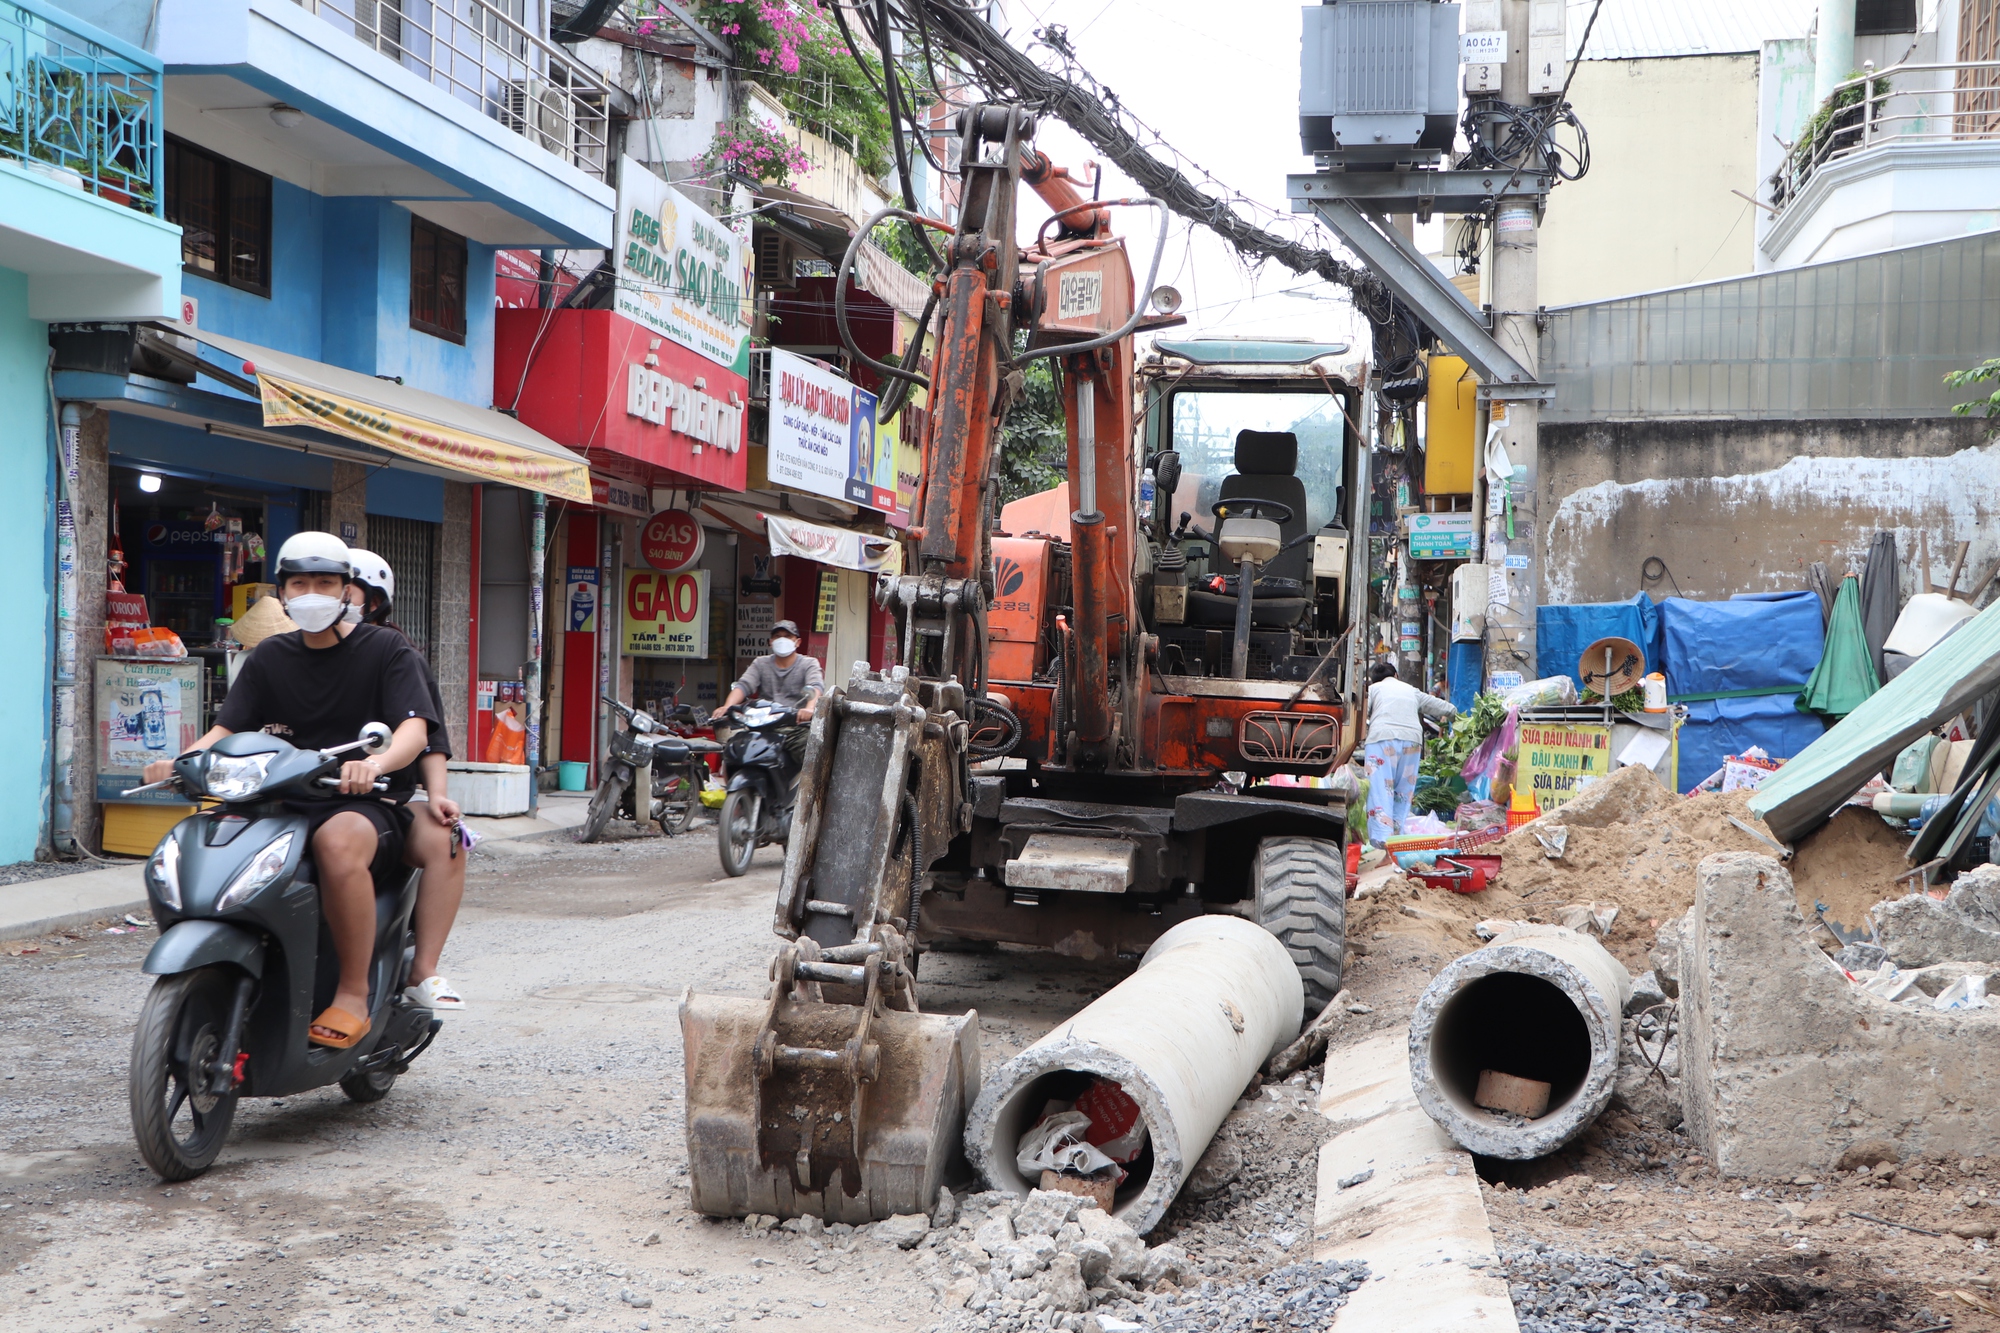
(245, 961)
(675, 768)
(763, 784)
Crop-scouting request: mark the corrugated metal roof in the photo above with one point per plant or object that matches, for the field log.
(1652, 29)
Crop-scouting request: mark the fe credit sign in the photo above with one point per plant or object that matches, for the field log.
(666, 615)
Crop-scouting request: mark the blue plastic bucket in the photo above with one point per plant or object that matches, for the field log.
(572, 776)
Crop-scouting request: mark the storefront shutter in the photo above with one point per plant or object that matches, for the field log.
(410, 547)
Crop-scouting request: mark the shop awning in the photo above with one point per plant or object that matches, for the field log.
(843, 548)
(424, 427)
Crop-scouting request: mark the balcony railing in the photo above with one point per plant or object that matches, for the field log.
(482, 55)
(80, 106)
(1905, 104)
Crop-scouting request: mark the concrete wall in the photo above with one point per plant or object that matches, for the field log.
(1746, 506)
(93, 527)
(1669, 139)
(451, 646)
(27, 549)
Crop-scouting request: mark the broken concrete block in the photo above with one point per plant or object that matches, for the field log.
(1525, 1097)
(1063, 1285)
(1975, 895)
(1165, 1263)
(1044, 1212)
(1789, 1068)
(1646, 992)
(1858, 959)
(1128, 1252)
(1919, 930)
(1654, 1097)
(904, 1230)
(1666, 955)
(997, 1230)
(1095, 1256)
(945, 1211)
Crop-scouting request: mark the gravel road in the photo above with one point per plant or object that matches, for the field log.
(529, 1170)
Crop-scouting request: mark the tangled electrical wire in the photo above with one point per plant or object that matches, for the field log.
(1073, 95)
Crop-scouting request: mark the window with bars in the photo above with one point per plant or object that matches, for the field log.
(1978, 89)
(410, 547)
(224, 212)
(437, 281)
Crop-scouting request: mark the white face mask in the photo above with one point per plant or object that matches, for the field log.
(313, 611)
(350, 614)
(783, 647)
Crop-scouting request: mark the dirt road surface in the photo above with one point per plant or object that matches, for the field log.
(529, 1169)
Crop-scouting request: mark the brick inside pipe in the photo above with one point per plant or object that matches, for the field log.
(1540, 1003)
(1212, 1000)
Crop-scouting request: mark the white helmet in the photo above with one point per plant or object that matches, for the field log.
(312, 553)
(371, 571)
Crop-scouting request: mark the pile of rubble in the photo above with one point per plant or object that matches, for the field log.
(1004, 1263)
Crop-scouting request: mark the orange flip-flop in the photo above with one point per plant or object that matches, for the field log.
(353, 1029)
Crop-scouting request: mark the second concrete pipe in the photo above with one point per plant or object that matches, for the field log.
(1541, 1003)
(1212, 1000)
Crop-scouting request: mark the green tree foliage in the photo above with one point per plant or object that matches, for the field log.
(1986, 372)
(794, 48)
(1034, 441)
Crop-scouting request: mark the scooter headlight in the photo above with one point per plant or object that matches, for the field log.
(163, 872)
(231, 777)
(264, 867)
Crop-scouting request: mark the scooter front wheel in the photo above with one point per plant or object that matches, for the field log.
(736, 830)
(180, 1116)
(603, 805)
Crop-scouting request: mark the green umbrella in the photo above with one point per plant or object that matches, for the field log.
(1845, 675)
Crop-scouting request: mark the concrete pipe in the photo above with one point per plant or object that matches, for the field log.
(1540, 1003)
(1212, 1000)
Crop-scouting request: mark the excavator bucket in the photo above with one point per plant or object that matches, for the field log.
(832, 1096)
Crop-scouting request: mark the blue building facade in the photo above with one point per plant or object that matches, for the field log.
(331, 195)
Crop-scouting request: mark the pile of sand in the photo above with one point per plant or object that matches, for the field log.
(1636, 844)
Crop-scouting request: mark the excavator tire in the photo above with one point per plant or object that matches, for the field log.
(1301, 888)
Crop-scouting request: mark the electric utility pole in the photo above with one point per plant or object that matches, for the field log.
(1534, 69)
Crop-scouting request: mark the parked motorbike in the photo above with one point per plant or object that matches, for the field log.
(245, 963)
(763, 784)
(675, 770)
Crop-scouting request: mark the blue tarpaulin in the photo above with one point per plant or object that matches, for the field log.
(1762, 642)
(1463, 671)
(1563, 632)
(1757, 653)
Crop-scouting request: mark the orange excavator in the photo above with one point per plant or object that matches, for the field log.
(1113, 699)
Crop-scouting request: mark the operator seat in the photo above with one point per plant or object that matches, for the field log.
(1267, 464)
(1266, 469)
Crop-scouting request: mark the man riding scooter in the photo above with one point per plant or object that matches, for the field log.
(316, 688)
(762, 760)
(786, 679)
(434, 843)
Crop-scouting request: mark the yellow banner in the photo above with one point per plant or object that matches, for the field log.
(289, 404)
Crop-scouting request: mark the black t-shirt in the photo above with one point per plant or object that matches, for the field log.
(439, 741)
(320, 697)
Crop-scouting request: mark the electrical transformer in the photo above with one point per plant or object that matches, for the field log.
(1378, 82)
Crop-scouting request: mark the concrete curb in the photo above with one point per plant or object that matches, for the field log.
(1416, 1219)
(40, 907)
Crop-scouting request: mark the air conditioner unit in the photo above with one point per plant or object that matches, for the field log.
(541, 113)
(1378, 81)
(760, 374)
(777, 260)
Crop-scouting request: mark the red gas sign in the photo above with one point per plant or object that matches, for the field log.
(671, 540)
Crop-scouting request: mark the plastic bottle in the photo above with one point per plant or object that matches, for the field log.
(1147, 485)
(1655, 688)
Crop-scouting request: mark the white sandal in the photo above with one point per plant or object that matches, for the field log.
(434, 993)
